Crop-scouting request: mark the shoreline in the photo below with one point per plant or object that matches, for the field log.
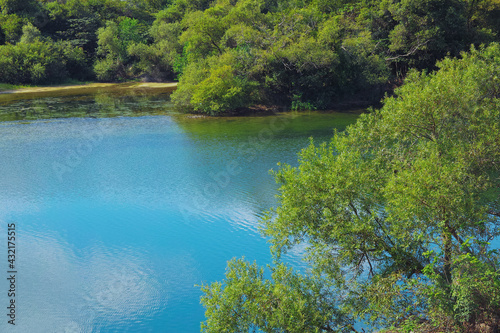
(355, 105)
(94, 85)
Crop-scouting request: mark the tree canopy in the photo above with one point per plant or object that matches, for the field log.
(301, 54)
(397, 214)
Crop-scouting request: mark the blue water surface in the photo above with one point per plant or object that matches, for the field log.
(119, 220)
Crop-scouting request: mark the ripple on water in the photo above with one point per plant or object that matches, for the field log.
(119, 240)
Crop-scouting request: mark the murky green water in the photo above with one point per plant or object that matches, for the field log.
(90, 102)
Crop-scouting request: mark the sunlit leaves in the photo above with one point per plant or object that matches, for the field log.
(113, 41)
(409, 179)
(288, 302)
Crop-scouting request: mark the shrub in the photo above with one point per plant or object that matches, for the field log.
(41, 62)
(222, 91)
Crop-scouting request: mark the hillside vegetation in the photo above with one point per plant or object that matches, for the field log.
(233, 54)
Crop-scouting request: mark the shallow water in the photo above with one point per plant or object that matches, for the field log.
(120, 216)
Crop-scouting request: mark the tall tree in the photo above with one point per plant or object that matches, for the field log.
(398, 212)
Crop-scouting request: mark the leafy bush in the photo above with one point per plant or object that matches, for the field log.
(193, 74)
(41, 62)
(11, 27)
(157, 60)
(298, 104)
(222, 91)
(106, 69)
(207, 88)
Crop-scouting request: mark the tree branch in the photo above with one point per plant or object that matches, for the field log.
(411, 52)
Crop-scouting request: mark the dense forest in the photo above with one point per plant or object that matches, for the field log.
(229, 55)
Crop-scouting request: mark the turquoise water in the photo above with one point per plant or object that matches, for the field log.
(118, 219)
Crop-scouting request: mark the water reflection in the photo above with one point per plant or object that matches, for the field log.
(120, 218)
(98, 104)
(66, 289)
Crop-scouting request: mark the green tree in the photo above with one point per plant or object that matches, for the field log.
(39, 61)
(11, 26)
(214, 86)
(415, 34)
(113, 41)
(205, 30)
(222, 90)
(18, 6)
(157, 59)
(288, 49)
(397, 212)
(30, 34)
(288, 302)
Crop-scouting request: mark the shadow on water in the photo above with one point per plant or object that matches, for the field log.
(288, 124)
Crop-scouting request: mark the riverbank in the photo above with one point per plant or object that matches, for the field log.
(12, 89)
(92, 88)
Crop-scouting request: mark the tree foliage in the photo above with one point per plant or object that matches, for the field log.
(113, 42)
(317, 53)
(288, 302)
(399, 211)
(306, 54)
(38, 60)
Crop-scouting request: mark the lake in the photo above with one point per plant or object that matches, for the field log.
(123, 207)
